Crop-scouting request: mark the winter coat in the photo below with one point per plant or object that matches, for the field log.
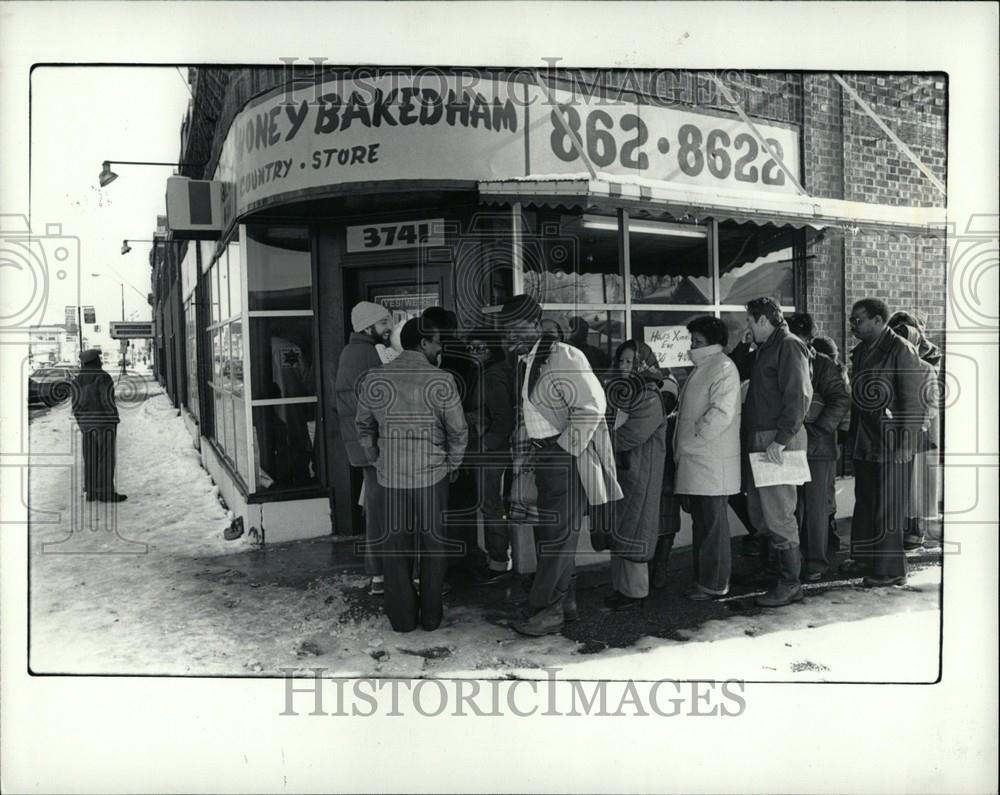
(357, 358)
(888, 380)
(640, 445)
(707, 438)
(831, 403)
(568, 395)
(780, 391)
(94, 397)
(410, 422)
(490, 409)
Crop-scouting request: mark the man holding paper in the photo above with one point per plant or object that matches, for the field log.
(777, 401)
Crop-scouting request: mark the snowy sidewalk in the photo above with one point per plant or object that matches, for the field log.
(159, 598)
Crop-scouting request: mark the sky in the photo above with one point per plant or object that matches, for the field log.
(81, 116)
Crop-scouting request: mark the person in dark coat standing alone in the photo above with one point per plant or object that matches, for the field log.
(97, 415)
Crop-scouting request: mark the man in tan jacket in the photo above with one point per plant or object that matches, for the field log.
(563, 406)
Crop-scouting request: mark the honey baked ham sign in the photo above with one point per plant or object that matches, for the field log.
(295, 142)
(391, 128)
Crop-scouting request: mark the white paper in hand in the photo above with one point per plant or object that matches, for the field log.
(793, 471)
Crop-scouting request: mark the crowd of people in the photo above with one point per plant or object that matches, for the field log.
(525, 422)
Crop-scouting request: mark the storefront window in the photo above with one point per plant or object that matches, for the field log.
(191, 339)
(228, 426)
(756, 261)
(284, 439)
(235, 279)
(279, 268)
(572, 259)
(282, 364)
(666, 333)
(736, 322)
(669, 263)
(236, 356)
(281, 348)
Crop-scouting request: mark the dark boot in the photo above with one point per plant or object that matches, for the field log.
(546, 621)
(767, 570)
(659, 566)
(832, 538)
(788, 589)
(570, 612)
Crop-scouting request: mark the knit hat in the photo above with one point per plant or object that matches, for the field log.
(367, 314)
(90, 355)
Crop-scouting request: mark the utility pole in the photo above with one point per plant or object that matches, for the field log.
(79, 329)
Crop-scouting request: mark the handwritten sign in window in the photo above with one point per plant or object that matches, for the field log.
(670, 344)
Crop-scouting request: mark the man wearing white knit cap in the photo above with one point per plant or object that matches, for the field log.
(372, 324)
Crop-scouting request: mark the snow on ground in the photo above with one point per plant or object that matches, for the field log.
(165, 611)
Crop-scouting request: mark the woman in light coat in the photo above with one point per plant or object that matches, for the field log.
(707, 451)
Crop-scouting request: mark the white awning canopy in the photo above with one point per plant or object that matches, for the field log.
(697, 202)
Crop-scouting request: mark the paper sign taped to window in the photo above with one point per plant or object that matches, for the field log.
(670, 344)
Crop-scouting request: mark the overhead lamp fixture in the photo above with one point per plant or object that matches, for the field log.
(107, 176)
(644, 227)
(126, 248)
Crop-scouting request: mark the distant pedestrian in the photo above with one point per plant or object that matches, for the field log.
(490, 413)
(97, 417)
(887, 417)
(831, 402)
(707, 450)
(372, 324)
(630, 526)
(411, 426)
(778, 399)
(563, 407)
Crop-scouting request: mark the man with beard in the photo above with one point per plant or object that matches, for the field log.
(372, 325)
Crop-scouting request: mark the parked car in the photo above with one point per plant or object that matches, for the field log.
(51, 385)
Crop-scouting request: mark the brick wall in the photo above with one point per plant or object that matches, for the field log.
(846, 155)
(908, 273)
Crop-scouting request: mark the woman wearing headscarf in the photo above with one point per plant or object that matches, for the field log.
(924, 485)
(630, 526)
(707, 451)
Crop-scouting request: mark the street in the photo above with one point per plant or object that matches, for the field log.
(149, 586)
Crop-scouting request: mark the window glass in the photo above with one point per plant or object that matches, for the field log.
(669, 263)
(597, 333)
(191, 335)
(235, 280)
(207, 248)
(755, 262)
(223, 267)
(217, 358)
(281, 349)
(236, 356)
(284, 439)
(217, 432)
(279, 267)
(227, 426)
(212, 285)
(225, 361)
(572, 258)
(240, 421)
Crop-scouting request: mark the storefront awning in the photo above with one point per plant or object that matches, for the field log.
(697, 202)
